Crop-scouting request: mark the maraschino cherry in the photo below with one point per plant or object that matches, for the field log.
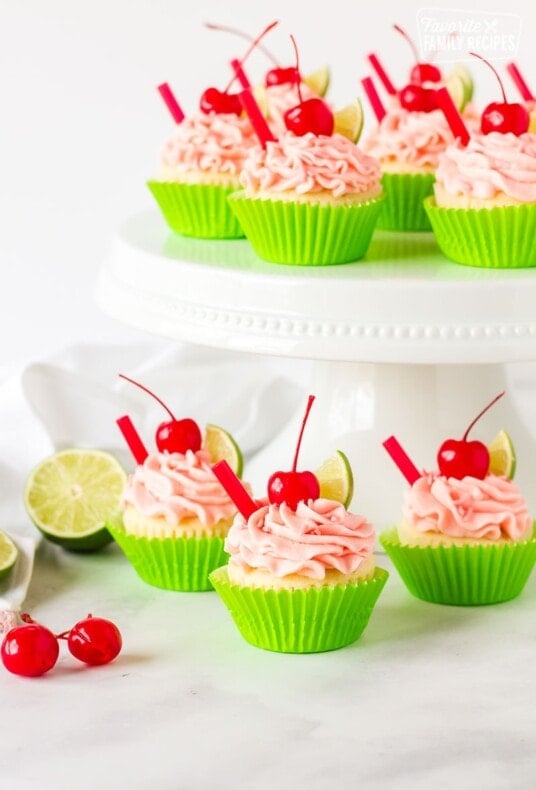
(312, 115)
(293, 487)
(503, 116)
(460, 458)
(414, 96)
(174, 436)
(94, 640)
(30, 649)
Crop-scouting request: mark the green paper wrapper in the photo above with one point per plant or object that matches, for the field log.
(496, 238)
(181, 564)
(313, 620)
(403, 209)
(306, 234)
(199, 210)
(462, 575)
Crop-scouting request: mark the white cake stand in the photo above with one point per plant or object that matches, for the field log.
(404, 342)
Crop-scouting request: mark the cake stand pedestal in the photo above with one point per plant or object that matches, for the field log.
(404, 342)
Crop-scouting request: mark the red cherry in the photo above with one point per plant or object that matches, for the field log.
(460, 458)
(312, 115)
(174, 436)
(293, 487)
(503, 116)
(425, 72)
(280, 76)
(214, 100)
(418, 99)
(29, 650)
(94, 640)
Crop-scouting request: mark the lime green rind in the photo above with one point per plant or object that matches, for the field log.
(179, 564)
(403, 208)
(496, 238)
(198, 210)
(9, 554)
(306, 234)
(462, 575)
(83, 545)
(300, 621)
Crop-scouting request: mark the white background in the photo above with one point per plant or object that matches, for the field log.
(82, 125)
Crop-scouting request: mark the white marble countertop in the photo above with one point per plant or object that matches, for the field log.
(430, 697)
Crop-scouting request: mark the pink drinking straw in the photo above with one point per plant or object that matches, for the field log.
(452, 114)
(521, 85)
(382, 74)
(171, 102)
(374, 98)
(235, 489)
(240, 74)
(258, 121)
(402, 460)
(132, 438)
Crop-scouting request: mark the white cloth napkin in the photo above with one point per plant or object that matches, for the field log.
(74, 399)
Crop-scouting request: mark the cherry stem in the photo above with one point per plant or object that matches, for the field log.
(234, 31)
(409, 40)
(254, 44)
(402, 460)
(374, 98)
(310, 402)
(495, 399)
(171, 102)
(258, 121)
(25, 617)
(297, 67)
(452, 114)
(132, 438)
(63, 635)
(494, 70)
(240, 74)
(521, 85)
(382, 74)
(235, 488)
(149, 392)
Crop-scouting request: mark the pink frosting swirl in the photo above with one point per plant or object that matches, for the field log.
(174, 486)
(491, 164)
(492, 508)
(308, 165)
(408, 139)
(213, 143)
(317, 536)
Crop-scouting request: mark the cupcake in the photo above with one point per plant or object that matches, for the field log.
(175, 513)
(301, 576)
(483, 212)
(466, 536)
(309, 199)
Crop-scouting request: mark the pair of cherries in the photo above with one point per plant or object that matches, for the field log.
(31, 649)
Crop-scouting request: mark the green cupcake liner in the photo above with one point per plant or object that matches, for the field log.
(199, 210)
(306, 234)
(403, 208)
(180, 564)
(314, 620)
(462, 575)
(497, 238)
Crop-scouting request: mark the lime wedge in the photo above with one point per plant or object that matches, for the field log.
(259, 91)
(457, 89)
(71, 495)
(318, 80)
(502, 456)
(336, 479)
(221, 446)
(348, 121)
(8, 554)
(532, 121)
(467, 79)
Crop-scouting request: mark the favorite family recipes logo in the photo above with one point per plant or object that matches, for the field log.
(452, 33)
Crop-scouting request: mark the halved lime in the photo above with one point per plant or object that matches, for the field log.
(318, 80)
(8, 554)
(502, 456)
(457, 89)
(72, 494)
(467, 79)
(349, 120)
(221, 446)
(336, 479)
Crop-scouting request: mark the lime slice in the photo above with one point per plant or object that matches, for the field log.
(221, 446)
(318, 80)
(467, 79)
(457, 89)
(259, 91)
(349, 121)
(336, 479)
(8, 554)
(71, 495)
(502, 456)
(532, 121)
